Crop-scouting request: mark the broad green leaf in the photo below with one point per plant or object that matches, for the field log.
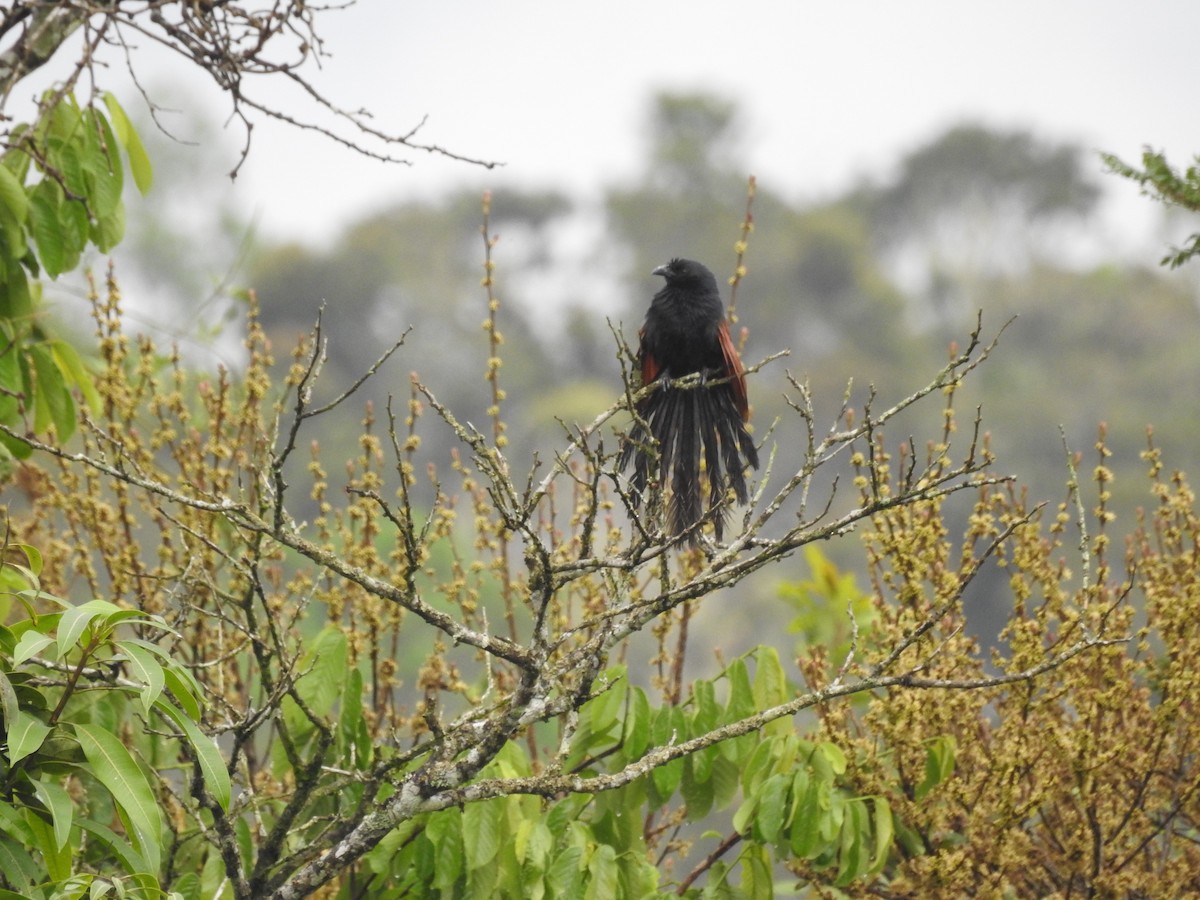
(52, 401)
(207, 753)
(75, 621)
(25, 736)
(145, 668)
(102, 834)
(352, 727)
(14, 210)
(534, 851)
(744, 816)
(114, 767)
(884, 834)
(30, 644)
(324, 667)
(17, 865)
(65, 157)
(697, 793)
(45, 211)
(565, 875)
(741, 695)
(770, 687)
(757, 880)
(58, 803)
(11, 382)
(833, 753)
(444, 832)
(637, 725)
(772, 807)
(33, 556)
(939, 764)
(668, 727)
(183, 687)
(9, 705)
(604, 874)
(139, 162)
(16, 300)
(72, 366)
(107, 232)
(179, 681)
(102, 165)
(807, 816)
(55, 857)
(481, 832)
(725, 779)
(12, 195)
(853, 859)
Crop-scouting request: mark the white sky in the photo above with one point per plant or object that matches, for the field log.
(831, 91)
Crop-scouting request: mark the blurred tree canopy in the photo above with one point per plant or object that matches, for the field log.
(979, 213)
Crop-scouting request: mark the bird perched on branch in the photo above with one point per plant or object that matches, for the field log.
(686, 333)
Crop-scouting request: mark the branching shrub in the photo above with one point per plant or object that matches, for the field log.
(208, 693)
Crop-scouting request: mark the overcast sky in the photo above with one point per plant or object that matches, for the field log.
(831, 91)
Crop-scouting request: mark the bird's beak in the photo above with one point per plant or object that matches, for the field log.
(661, 270)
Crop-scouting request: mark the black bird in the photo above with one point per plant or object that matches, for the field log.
(685, 333)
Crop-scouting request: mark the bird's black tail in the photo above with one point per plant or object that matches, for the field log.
(680, 428)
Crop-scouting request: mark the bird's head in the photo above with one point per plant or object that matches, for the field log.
(684, 272)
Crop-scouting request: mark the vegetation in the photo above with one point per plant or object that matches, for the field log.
(250, 650)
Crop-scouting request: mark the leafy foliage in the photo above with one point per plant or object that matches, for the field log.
(61, 183)
(1174, 187)
(403, 711)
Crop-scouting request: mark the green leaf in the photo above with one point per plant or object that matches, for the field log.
(853, 860)
(12, 385)
(884, 834)
(114, 767)
(808, 814)
(69, 363)
(444, 832)
(481, 832)
(25, 736)
(352, 725)
(14, 210)
(12, 195)
(324, 667)
(55, 857)
(939, 764)
(30, 644)
(207, 754)
(145, 668)
(58, 803)
(772, 807)
(121, 848)
(565, 875)
(53, 403)
(834, 755)
(179, 681)
(46, 202)
(9, 705)
(604, 875)
(637, 725)
(697, 793)
(101, 164)
(75, 621)
(770, 684)
(108, 231)
(139, 162)
(183, 687)
(16, 300)
(17, 865)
